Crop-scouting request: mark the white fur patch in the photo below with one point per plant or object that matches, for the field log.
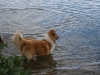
(47, 37)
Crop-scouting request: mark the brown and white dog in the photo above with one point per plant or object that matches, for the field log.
(30, 47)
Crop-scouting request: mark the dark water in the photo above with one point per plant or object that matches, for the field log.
(77, 22)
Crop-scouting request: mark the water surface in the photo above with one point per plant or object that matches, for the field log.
(77, 22)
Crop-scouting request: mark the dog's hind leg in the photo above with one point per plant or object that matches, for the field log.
(30, 56)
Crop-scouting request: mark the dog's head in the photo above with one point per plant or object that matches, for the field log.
(53, 35)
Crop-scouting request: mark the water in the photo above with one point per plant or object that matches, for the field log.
(77, 22)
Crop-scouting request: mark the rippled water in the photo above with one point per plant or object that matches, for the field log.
(77, 22)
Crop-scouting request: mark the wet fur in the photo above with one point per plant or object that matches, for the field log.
(30, 47)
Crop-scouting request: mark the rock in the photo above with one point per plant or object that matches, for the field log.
(1, 41)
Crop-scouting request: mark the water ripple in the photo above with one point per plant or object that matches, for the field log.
(77, 22)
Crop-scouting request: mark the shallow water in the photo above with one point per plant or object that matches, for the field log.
(77, 22)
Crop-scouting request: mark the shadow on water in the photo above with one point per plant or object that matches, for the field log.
(41, 65)
(48, 66)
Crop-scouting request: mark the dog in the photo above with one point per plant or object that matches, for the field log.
(30, 47)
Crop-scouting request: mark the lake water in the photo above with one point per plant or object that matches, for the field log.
(77, 22)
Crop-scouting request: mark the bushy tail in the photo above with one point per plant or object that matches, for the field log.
(17, 39)
(17, 36)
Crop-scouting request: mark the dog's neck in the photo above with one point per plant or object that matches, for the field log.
(47, 38)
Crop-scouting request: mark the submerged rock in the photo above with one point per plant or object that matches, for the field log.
(1, 41)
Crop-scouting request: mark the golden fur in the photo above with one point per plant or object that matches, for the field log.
(30, 47)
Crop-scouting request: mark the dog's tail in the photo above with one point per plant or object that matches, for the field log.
(17, 36)
(17, 39)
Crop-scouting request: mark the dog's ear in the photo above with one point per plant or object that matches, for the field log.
(52, 32)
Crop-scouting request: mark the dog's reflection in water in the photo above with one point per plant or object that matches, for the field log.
(40, 63)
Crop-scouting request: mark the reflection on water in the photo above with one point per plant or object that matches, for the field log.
(77, 22)
(41, 65)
